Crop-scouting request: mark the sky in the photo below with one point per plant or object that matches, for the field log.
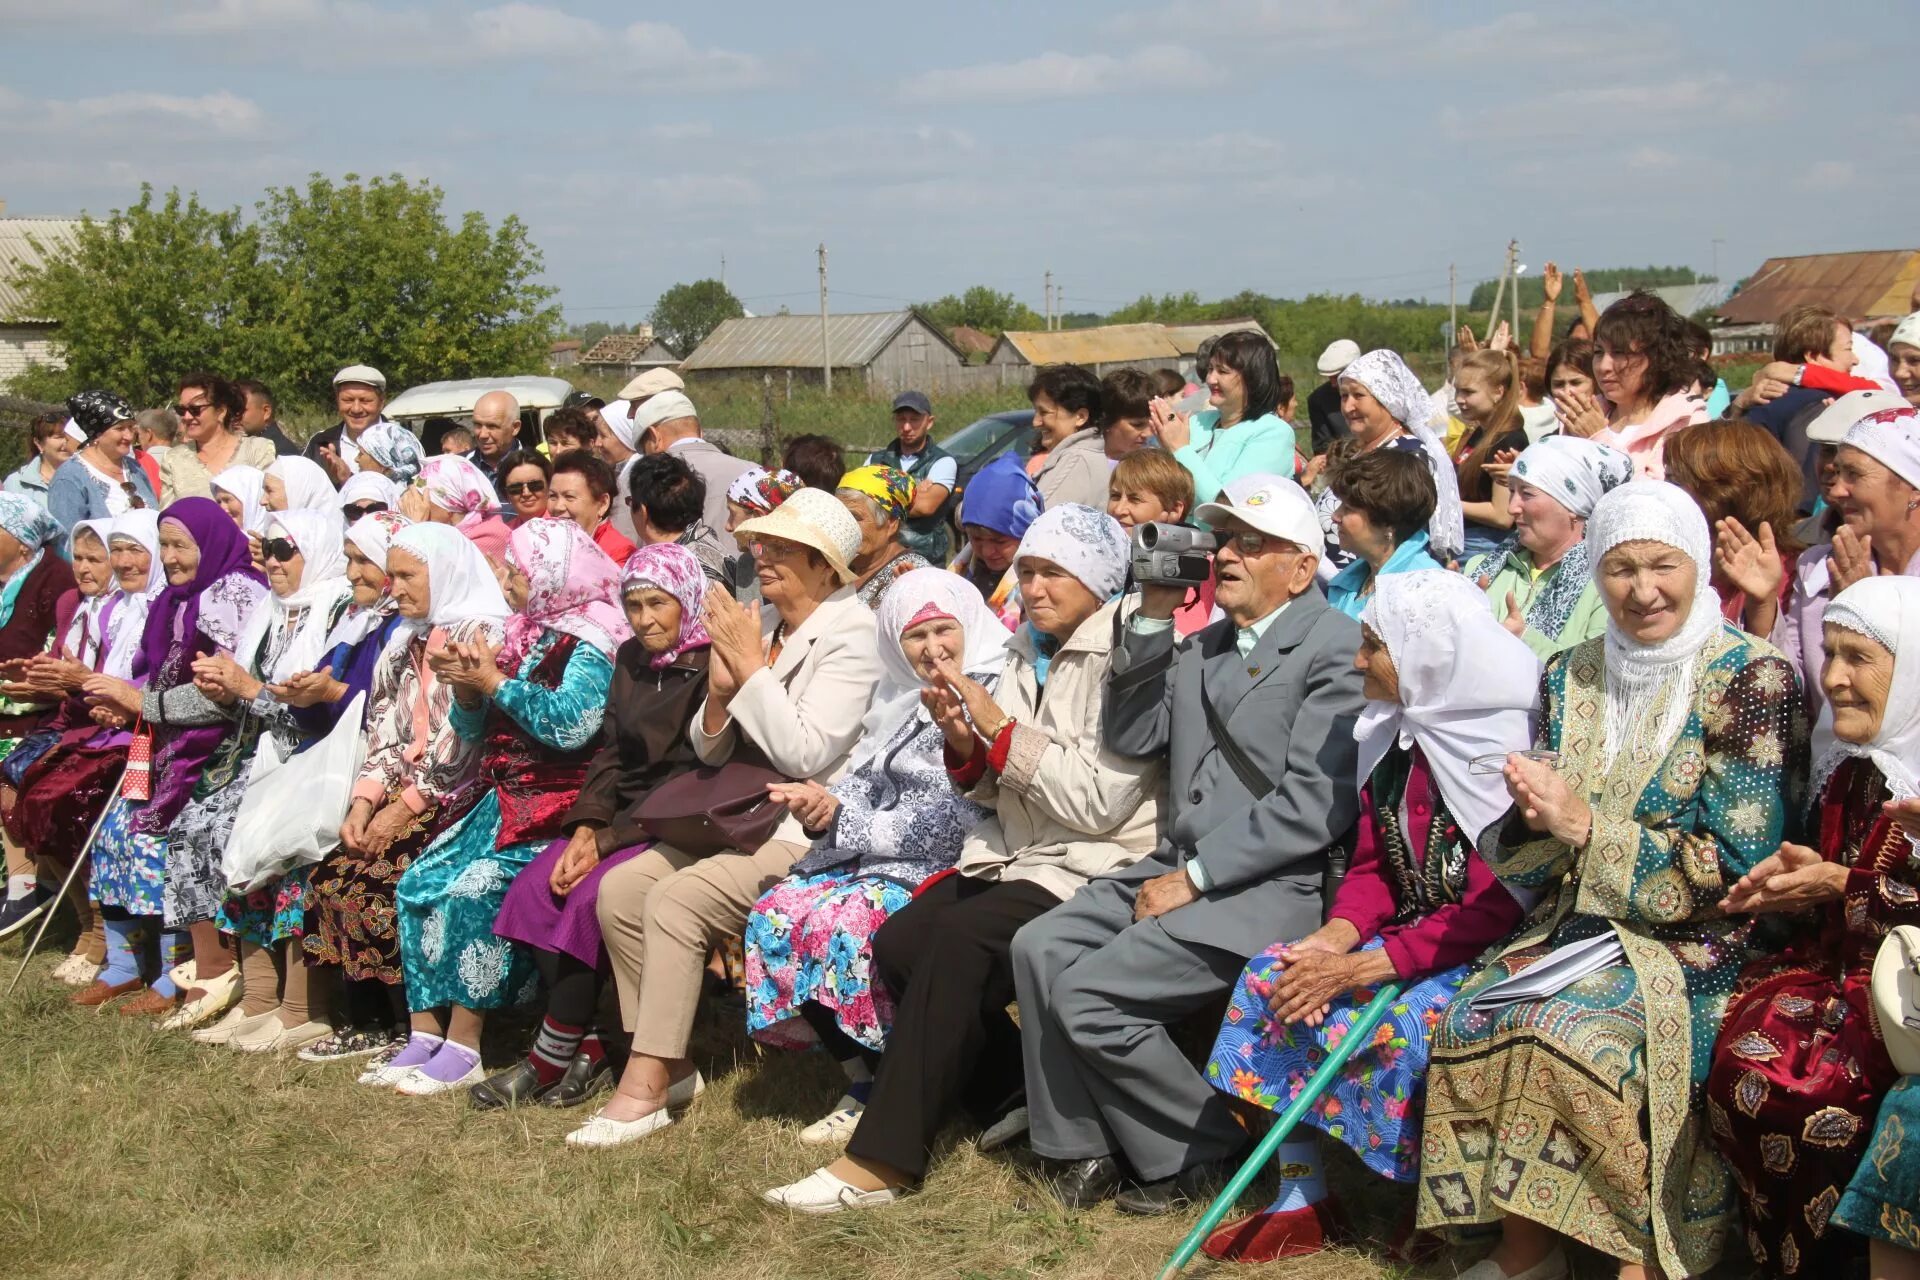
(1213, 145)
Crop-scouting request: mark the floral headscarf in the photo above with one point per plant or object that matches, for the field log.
(760, 490)
(456, 484)
(889, 486)
(394, 448)
(28, 521)
(572, 587)
(1088, 544)
(670, 567)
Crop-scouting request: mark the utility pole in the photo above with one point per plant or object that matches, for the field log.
(1513, 257)
(826, 353)
(1059, 305)
(1717, 242)
(1048, 304)
(1500, 290)
(1453, 307)
(723, 271)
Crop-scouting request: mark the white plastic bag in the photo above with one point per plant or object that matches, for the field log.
(292, 812)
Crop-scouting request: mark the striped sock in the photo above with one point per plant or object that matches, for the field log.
(553, 1049)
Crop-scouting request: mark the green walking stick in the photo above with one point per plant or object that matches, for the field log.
(1358, 1034)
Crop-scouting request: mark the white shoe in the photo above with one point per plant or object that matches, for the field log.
(227, 1027)
(837, 1125)
(601, 1130)
(76, 970)
(1009, 1128)
(381, 1073)
(272, 1037)
(222, 993)
(414, 1082)
(1552, 1267)
(821, 1192)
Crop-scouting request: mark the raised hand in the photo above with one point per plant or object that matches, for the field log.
(1174, 429)
(1550, 281)
(1852, 558)
(950, 714)
(1545, 801)
(1750, 562)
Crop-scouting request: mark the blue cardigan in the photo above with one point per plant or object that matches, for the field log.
(1348, 590)
(1263, 446)
(77, 494)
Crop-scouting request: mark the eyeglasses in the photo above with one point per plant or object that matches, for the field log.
(526, 487)
(279, 549)
(1249, 543)
(773, 549)
(134, 501)
(192, 410)
(355, 510)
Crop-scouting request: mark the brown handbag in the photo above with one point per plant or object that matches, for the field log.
(711, 809)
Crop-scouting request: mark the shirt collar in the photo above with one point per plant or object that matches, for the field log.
(1244, 638)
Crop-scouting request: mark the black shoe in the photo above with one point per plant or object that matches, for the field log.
(585, 1077)
(1194, 1184)
(517, 1084)
(17, 913)
(1087, 1182)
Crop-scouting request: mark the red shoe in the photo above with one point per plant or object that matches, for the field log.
(151, 1004)
(1268, 1236)
(97, 993)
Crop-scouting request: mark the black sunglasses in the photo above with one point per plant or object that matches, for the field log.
(519, 487)
(134, 500)
(354, 510)
(280, 549)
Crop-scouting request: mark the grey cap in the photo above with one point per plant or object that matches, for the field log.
(361, 375)
(914, 400)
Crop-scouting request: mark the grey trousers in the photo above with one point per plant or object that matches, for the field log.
(1104, 1076)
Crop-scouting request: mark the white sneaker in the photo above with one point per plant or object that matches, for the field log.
(414, 1082)
(231, 1024)
(821, 1192)
(601, 1130)
(381, 1073)
(1009, 1128)
(837, 1125)
(1552, 1267)
(76, 970)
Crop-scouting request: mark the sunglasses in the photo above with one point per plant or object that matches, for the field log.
(355, 510)
(192, 410)
(134, 501)
(527, 487)
(281, 550)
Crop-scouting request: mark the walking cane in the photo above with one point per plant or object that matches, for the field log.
(79, 861)
(1358, 1034)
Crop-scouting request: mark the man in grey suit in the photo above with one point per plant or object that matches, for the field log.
(1256, 715)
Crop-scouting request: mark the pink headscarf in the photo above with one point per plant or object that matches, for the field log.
(673, 569)
(573, 588)
(456, 484)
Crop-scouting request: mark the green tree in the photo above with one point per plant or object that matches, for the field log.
(687, 313)
(987, 310)
(1599, 280)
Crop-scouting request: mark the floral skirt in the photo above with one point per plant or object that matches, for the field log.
(129, 869)
(272, 914)
(812, 939)
(447, 901)
(1883, 1200)
(350, 913)
(1375, 1105)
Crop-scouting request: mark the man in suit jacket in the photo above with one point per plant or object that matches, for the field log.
(1250, 822)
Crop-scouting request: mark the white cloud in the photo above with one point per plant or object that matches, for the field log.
(1062, 75)
(1620, 111)
(130, 119)
(1828, 175)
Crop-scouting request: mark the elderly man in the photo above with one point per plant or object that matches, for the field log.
(668, 423)
(496, 426)
(618, 439)
(926, 529)
(359, 394)
(1255, 714)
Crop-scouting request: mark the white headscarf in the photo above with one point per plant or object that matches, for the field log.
(129, 619)
(323, 586)
(460, 582)
(1088, 544)
(1870, 362)
(1653, 511)
(619, 418)
(249, 484)
(1575, 473)
(370, 486)
(912, 599)
(1891, 437)
(83, 639)
(1468, 687)
(371, 535)
(306, 484)
(1886, 610)
(1387, 379)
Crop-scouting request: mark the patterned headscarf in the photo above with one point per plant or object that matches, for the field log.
(1387, 379)
(28, 521)
(670, 567)
(395, 449)
(572, 587)
(889, 486)
(98, 412)
(760, 490)
(454, 483)
(1575, 473)
(1088, 544)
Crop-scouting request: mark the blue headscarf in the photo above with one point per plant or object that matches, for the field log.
(1002, 498)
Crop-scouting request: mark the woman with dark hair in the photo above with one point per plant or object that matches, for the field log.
(1386, 499)
(1745, 481)
(1644, 363)
(1570, 383)
(1068, 419)
(1127, 395)
(210, 408)
(1487, 390)
(525, 477)
(51, 447)
(818, 460)
(1241, 432)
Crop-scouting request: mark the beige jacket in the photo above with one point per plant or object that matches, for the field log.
(1076, 470)
(182, 474)
(1066, 809)
(804, 712)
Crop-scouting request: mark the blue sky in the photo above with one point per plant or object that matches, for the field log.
(1204, 144)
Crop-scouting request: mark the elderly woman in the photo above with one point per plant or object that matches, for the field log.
(1065, 808)
(1574, 1107)
(241, 492)
(786, 689)
(33, 578)
(879, 833)
(1644, 363)
(419, 779)
(1386, 500)
(659, 680)
(367, 492)
(307, 573)
(1000, 504)
(294, 483)
(756, 491)
(879, 498)
(1446, 686)
(452, 491)
(1241, 432)
(1801, 1063)
(389, 449)
(164, 850)
(210, 409)
(1538, 582)
(103, 479)
(1386, 408)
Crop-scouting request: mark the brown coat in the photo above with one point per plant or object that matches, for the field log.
(644, 742)
(28, 631)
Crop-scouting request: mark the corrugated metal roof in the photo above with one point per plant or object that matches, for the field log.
(793, 342)
(1108, 344)
(27, 242)
(1188, 337)
(1859, 286)
(1684, 298)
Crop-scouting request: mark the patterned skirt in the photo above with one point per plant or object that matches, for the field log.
(565, 926)
(447, 901)
(1883, 1200)
(195, 842)
(812, 939)
(1375, 1105)
(129, 869)
(61, 796)
(271, 914)
(350, 913)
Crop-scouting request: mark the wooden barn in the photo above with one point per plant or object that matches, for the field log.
(883, 351)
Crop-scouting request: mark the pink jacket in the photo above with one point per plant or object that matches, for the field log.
(1645, 442)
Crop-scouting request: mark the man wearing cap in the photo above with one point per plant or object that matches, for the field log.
(1255, 714)
(619, 439)
(935, 473)
(668, 423)
(359, 394)
(1323, 402)
(496, 428)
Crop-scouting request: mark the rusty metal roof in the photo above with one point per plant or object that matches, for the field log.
(24, 243)
(1107, 344)
(793, 342)
(1860, 286)
(1188, 337)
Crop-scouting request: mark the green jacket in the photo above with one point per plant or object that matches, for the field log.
(1586, 619)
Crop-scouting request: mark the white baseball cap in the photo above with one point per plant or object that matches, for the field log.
(1834, 421)
(1274, 505)
(652, 383)
(1338, 355)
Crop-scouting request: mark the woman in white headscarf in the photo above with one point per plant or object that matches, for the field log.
(1680, 748)
(1793, 1126)
(365, 493)
(241, 493)
(294, 483)
(1446, 686)
(879, 832)
(1386, 407)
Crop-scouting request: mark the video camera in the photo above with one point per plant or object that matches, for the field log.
(1172, 555)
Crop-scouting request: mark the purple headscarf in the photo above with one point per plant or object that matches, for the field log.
(188, 622)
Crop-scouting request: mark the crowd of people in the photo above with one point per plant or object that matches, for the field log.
(1579, 708)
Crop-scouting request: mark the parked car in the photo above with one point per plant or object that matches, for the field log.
(975, 445)
(432, 408)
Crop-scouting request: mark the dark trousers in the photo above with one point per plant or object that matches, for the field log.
(946, 959)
